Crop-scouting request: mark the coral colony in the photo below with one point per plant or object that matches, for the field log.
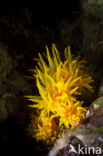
(60, 84)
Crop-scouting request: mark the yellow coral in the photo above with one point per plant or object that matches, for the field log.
(42, 127)
(59, 84)
(45, 128)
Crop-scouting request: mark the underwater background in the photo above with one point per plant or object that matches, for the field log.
(25, 28)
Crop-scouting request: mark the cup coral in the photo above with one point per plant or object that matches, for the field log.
(60, 85)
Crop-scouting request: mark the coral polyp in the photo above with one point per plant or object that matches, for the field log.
(43, 126)
(60, 84)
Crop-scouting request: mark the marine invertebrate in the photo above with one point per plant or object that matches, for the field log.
(44, 126)
(60, 85)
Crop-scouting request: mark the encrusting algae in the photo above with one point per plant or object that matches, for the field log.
(59, 84)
